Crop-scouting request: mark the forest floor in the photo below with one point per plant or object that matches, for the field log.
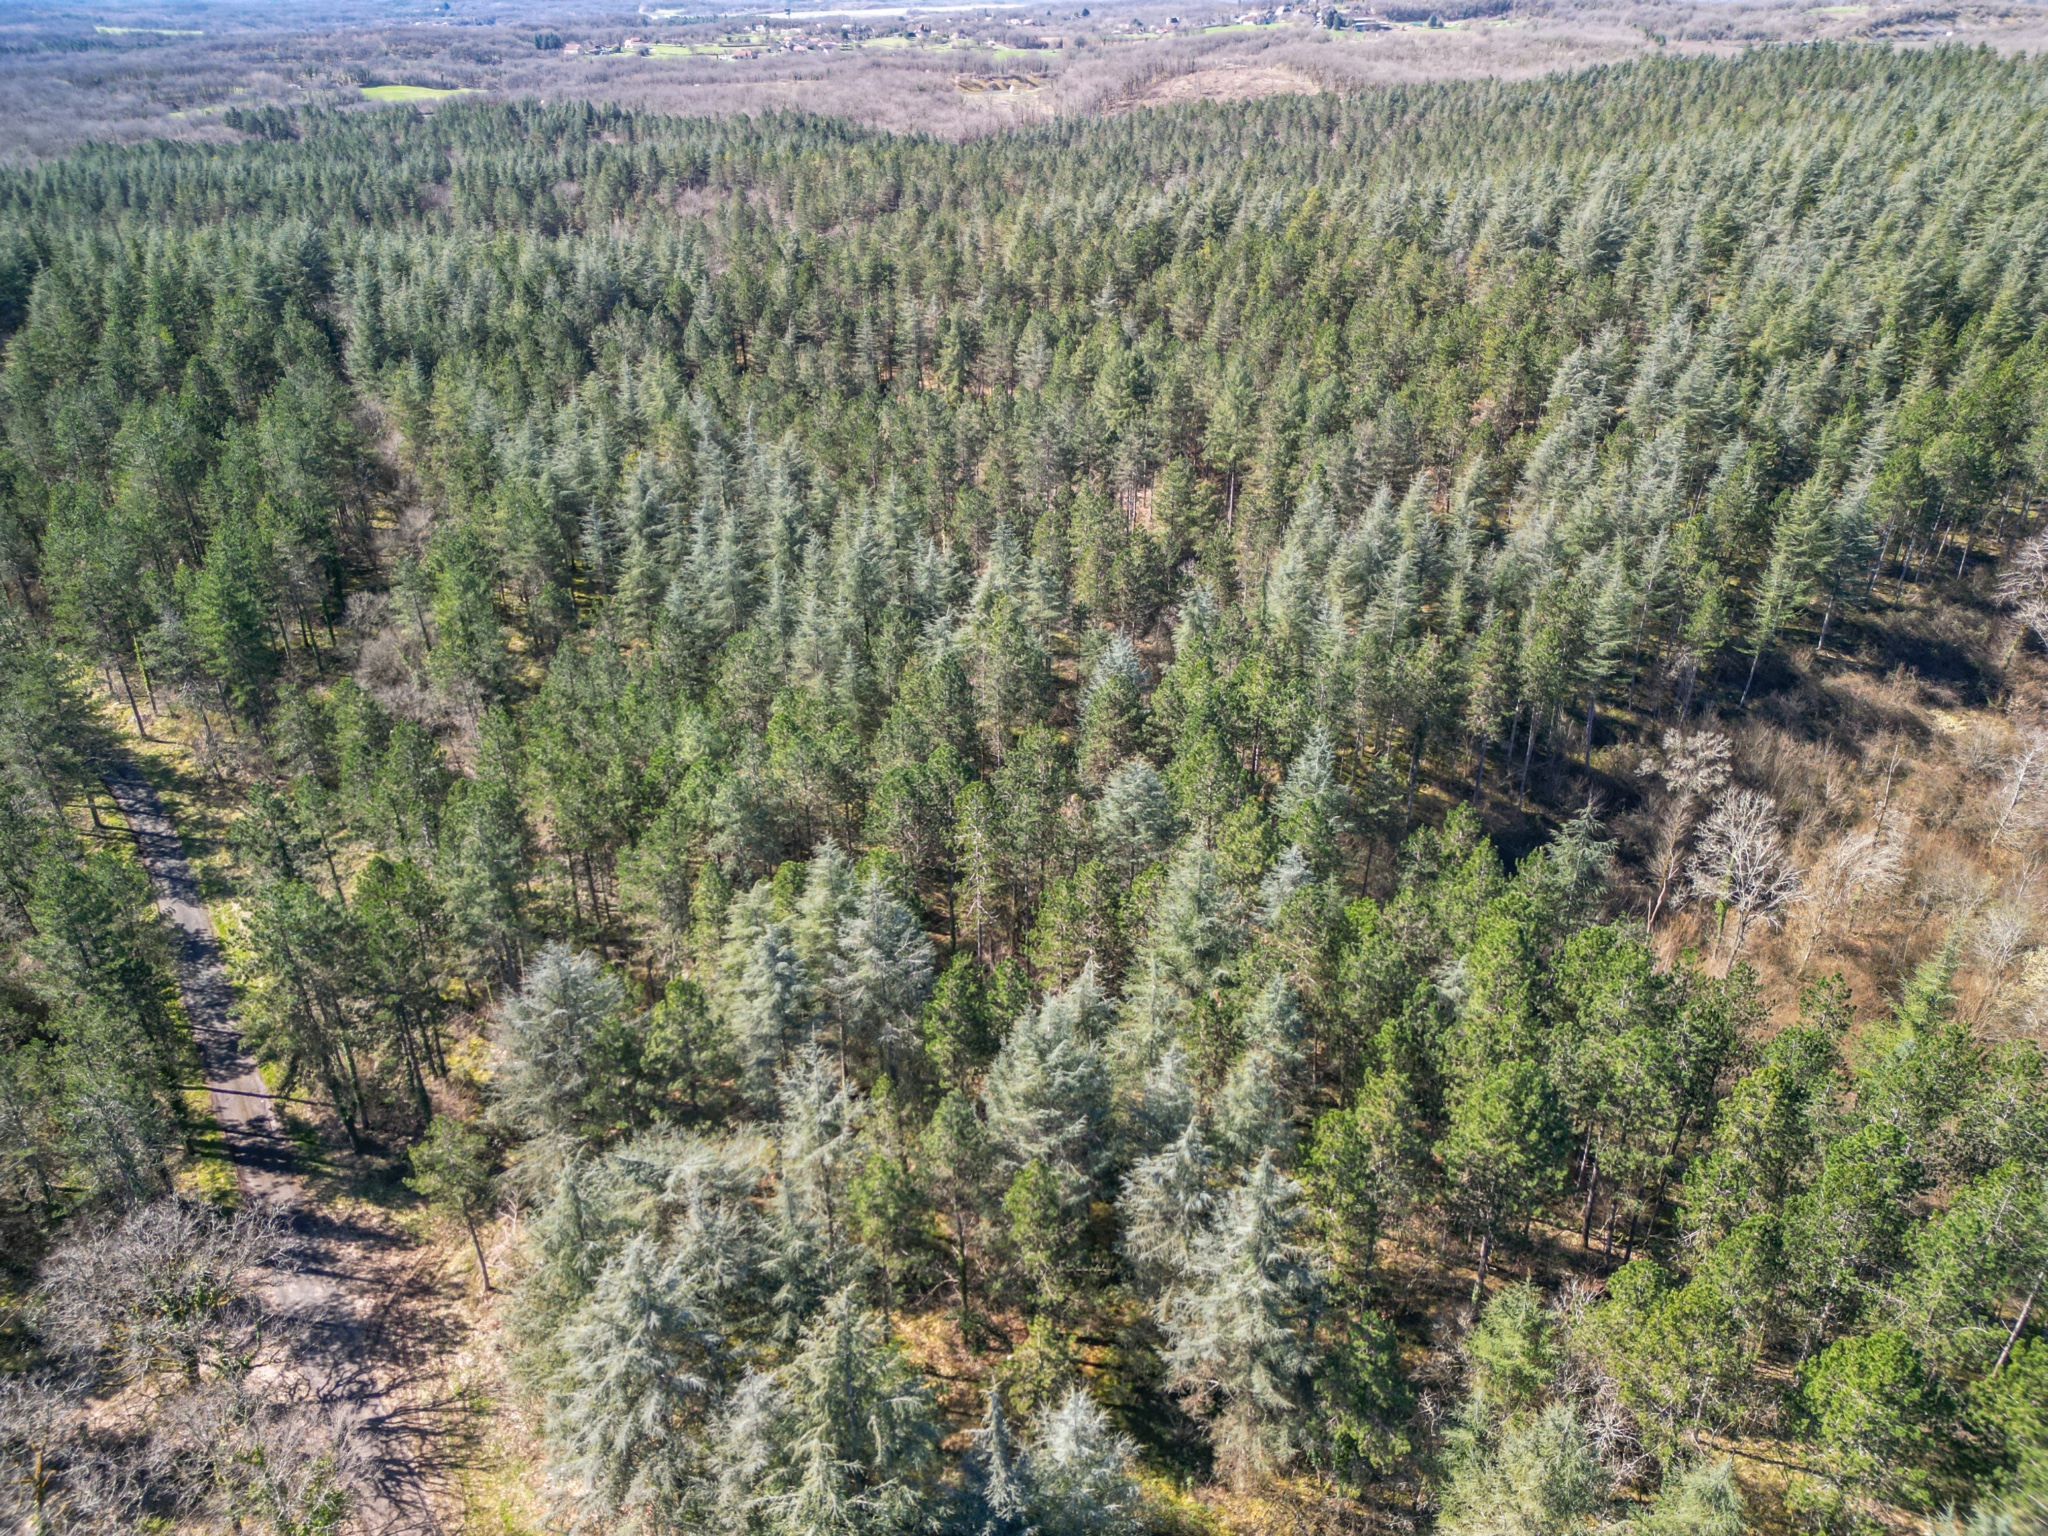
(383, 1322)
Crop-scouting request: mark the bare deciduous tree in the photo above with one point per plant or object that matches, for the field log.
(1742, 864)
(2025, 800)
(1860, 865)
(2000, 939)
(1693, 766)
(2023, 585)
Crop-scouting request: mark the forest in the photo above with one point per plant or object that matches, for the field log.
(1320, 814)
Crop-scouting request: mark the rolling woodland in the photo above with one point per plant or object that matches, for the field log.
(1320, 814)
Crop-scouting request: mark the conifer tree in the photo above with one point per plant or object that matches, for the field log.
(1504, 1151)
(1048, 1095)
(556, 1043)
(1077, 1474)
(1001, 1493)
(1134, 818)
(838, 1442)
(769, 995)
(1112, 709)
(1166, 1206)
(641, 1365)
(1240, 1327)
(1313, 806)
(1254, 1112)
(881, 971)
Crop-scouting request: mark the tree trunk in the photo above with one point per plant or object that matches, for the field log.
(1528, 756)
(1692, 675)
(412, 1068)
(129, 689)
(2019, 1323)
(475, 1242)
(1485, 1258)
(1414, 767)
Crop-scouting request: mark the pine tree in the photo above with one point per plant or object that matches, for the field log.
(226, 603)
(1504, 1151)
(450, 1172)
(959, 1161)
(1039, 1208)
(1364, 1162)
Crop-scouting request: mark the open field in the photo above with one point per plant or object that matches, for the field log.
(392, 93)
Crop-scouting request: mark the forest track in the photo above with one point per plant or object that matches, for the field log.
(372, 1309)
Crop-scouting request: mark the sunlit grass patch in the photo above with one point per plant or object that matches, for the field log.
(410, 92)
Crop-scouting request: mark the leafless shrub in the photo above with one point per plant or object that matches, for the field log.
(38, 1426)
(166, 1298)
(2001, 940)
(227, 1455)
(2033, 998)
(2032, 614)
(1985, 748)
(167, 1288)
(295, 1465)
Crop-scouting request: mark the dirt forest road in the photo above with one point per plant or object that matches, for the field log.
(375, 1309)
